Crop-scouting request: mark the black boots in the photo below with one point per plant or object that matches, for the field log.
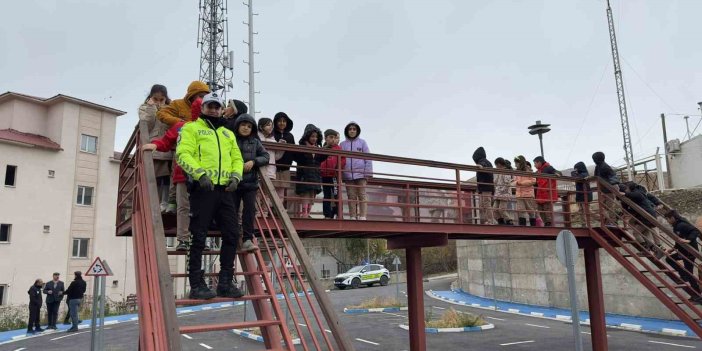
(501, 221)
(228, 289)
(522, 221)
(198, 287)
(532, 222)
(509, 222)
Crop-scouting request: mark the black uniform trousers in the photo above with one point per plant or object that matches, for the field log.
(34, 313)
(248, 216)
(205, 206)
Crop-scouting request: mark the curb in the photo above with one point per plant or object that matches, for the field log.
(373, 310)
(256, 337)
(559, 317)
(454, 330)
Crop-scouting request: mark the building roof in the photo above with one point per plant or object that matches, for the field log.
(59, 98)
(27, 139)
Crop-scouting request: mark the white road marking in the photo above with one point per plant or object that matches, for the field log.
(206, 346)
(517, 342)
(671, 344)
(368, 342)
(394, 314)
(21, 348)
(495, 318)
(438, 308)
(327, 330)
(70, 334)
(302, 325)
(187, 336)
(538, 326)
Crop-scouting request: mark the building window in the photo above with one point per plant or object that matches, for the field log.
(85, 195)
(80, 248)
(325, 273)
(10, 175)
(3, 289)
(5, 231)
(52, 173)
(47, 229)
(88, 143)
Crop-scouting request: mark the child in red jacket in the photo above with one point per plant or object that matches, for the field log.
(329, 169)
(167, 143)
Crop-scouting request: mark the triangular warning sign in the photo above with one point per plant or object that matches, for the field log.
(97, 269)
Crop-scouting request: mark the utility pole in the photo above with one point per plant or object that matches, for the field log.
(669, 183)
(216, 61)
(628, 150)
(252, 72)
(687, 126)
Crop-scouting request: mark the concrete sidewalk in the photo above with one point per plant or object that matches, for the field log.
(652, 325)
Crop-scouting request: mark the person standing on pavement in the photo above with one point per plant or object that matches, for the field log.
(34, 307)
(54, 290)
(74, 294)
(208, 153)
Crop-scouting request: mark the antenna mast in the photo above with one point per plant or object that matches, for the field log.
(216, 61)
(628, 151)
(252, 53)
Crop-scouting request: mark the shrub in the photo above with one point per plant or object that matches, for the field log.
(380, 301)
(455, 319)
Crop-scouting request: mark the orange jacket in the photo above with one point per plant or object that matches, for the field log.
(525, 186)
(179, 110)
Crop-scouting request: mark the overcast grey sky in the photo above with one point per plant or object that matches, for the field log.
(425, 79)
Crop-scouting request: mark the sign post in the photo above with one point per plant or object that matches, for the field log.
(99, 270)
(397, 263)
(567, 252)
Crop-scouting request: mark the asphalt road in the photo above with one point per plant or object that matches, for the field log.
(379, 331)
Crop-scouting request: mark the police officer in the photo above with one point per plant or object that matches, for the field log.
(209, 155)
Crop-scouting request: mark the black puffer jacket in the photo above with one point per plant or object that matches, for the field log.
(603, 170)
(288, 157)
(685, 230)
(308, 164)
(642, 202)
(35, 296)
(251, 150)
(485, 180)
(581, 188)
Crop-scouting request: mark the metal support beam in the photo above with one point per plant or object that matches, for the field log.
(415, 299)
(595, 298)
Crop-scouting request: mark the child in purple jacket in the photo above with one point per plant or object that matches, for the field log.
(356, 172)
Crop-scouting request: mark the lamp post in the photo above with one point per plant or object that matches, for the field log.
(540, 129)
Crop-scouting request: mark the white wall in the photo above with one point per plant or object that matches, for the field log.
(686, 166)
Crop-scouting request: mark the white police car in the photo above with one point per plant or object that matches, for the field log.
(363, 275)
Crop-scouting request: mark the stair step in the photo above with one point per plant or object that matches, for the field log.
(657, 271)
(188, 302)
(208, 252)
(675, 286)
(226, 326)
(185, 275)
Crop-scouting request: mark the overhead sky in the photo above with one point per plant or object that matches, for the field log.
(424, 79)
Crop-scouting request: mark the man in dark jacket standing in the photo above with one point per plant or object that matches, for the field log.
(54, 290)
(34, 307)
(486, 186)
(688, 234)
(74, 294)
(606, 173)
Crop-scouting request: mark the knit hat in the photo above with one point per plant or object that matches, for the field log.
(329, 132)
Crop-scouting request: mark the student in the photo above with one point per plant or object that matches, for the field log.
(606, 173)
(308, 174)
(503, 193)
(265, 133)
(255, 157)
(166, 143)
(525, 192)
(329, 169)
(282, 126)
(582, 191)
(157, 99)
(209, 155)
(688, 234)
(356, 172)
(486, 187)
(35, 302)
(642, 227)
(546, 190)
(179, 110)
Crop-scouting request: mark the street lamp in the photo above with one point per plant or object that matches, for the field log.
(540, 129)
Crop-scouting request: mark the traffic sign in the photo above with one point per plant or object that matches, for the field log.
(566, 241)
(98, 269)
(396, 261)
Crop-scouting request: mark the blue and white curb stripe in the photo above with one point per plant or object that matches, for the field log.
(642, 324)
(258, 338)
(374, 310)
(454, 330)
